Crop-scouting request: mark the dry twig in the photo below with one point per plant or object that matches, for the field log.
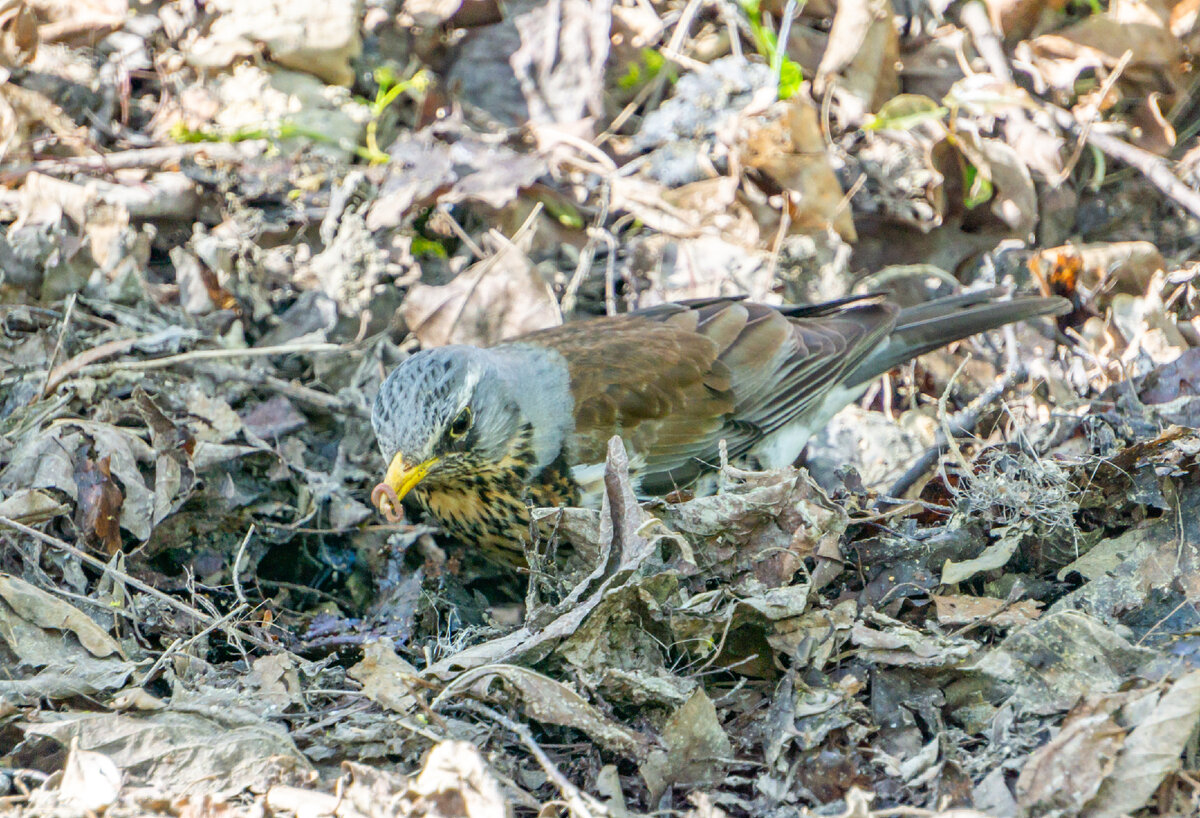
(100, 565)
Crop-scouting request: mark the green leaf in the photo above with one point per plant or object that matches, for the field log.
(632, 77)
(791, 77)
(422, 246)
(979, 188)
(906, 111)
(653, 60)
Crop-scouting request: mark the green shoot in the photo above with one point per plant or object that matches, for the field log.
(389, 91)
(979, 189)
(646, 68)
(766, 42)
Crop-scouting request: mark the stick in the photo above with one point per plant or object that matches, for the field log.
(199, 616)
(205, 355)
(578, 802)
(124, 160)
(62, 333)
(1156, 169)
(961, 423)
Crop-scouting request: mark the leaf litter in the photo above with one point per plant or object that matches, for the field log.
(221, 225)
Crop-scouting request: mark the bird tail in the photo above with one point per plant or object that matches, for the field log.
(926, 327)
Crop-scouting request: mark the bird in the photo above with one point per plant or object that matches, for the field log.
(477, 436)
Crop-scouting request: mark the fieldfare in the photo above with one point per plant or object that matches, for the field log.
(476, 436)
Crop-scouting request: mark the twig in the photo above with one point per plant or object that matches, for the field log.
(785, 29)
(552, 136)
(848, 196)
(672, 51)
(944, 417)
(62, 333)
(1156, 169)
(729, 15)
(974, 17)
(313, 397)
(683, 60)
(206, 355)
(199, 616)
(682, 26)
(123, 160)
(785, 221)
(297, 392)
(69, 367)
(486, 265)
(627, 112)
(180, 644)
(237, 562)
(610, 262)
(567, 304)
(578, 802)
(961, 423)
(444, 212)
(1093, 115)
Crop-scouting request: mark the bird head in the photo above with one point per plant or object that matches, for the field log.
(448, 416)
(440, 417)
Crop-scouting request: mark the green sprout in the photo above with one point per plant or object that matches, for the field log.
(650, 64)
(422, 246)
(766, 42)
(389, 91)
(979, 189)
(287, 129)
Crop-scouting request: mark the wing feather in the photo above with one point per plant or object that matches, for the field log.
(676, 379)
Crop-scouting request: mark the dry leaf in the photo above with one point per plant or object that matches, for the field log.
(98, 514)
(494, 299)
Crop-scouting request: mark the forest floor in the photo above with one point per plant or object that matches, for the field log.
(223, 223)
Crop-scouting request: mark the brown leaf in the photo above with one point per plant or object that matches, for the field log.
(695, 744)
(431, 166)
(863, 50)
(100, 500)
(786, 144)
(18, 34)
(500, 297)
(955, 609)
(273, 418)
(1015, 19)
(1151, 751)
(1067, 772)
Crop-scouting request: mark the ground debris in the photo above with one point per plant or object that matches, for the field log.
(222, 224)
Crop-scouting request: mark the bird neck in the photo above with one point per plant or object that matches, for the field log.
(490, 508)
(540, 385)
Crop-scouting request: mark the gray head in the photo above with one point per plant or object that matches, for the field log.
(448, 412)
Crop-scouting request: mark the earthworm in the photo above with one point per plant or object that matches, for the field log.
(384, 498)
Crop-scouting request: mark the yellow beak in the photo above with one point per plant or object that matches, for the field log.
(402, 477)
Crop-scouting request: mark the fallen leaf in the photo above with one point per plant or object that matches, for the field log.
(696, 745)
(958, 609)
(90, 781)
(98, 514)
(500, 297)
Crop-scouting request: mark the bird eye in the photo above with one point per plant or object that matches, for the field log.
(461, 424)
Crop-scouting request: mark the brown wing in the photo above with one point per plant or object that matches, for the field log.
(657, 384)
(675, 380)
